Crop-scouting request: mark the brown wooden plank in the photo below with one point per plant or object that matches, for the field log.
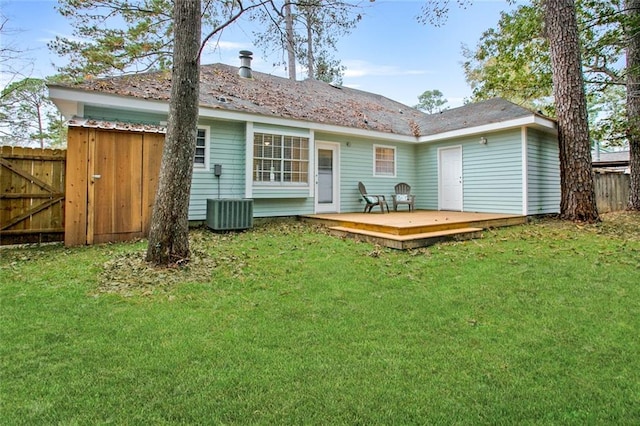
(102, 189)
(612, 191)
(56, 156)
(21, 196)
(114, 238)
(5, 188)
(17, 207)
(29, 176)
(404, 226)
(33, 153)
(92, 170)
(57, 181)
(128, 183)
(75, 208)
(30, 231)
(30, 212)
(118, 191)
(38, 169)
(17, 184)
(29, 215)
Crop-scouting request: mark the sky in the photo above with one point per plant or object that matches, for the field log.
(389, 52)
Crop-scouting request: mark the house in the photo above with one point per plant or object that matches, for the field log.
(610, 161)
(296, 147)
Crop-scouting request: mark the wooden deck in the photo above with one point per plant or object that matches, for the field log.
(406, 230)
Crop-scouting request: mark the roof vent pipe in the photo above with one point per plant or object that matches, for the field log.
(245, 64)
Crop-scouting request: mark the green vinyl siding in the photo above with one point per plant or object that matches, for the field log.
(543, 176)
(492, 174)
(226, 147)
(282, 207)
(356, 165)
(278, 191)
(127, 116)
(426, 188)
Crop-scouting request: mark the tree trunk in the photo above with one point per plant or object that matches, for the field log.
(310, 56)
(578, 202)
(291, 51)
(169, 233)
(40, 126)
(633, 100)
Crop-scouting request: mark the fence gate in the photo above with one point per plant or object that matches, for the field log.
(32, 196)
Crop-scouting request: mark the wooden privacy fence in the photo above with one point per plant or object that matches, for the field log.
(612, 191)
(32, 183)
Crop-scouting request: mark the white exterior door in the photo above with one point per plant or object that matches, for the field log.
(450, 178)
(327, 181)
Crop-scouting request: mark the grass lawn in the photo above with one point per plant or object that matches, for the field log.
(535, 324)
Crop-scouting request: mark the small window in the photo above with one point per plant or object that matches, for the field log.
(280, 159)
(201, 157)
(384, 161)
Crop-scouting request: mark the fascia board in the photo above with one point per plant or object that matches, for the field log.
(107, 100)
(528, 121)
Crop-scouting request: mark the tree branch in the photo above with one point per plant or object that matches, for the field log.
(231, 20)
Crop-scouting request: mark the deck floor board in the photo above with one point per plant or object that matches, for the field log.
(420, 228)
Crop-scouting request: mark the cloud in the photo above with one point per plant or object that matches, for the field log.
(358, 68)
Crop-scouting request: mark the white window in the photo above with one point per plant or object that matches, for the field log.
(384, 160)
(201, 157)
(280, 159)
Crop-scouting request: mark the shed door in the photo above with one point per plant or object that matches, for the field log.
(116, 187)
(450, 178)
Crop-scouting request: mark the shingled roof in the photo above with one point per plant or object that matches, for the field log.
(492, 111)
(309, 100)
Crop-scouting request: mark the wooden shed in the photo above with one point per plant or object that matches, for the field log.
(112, 177)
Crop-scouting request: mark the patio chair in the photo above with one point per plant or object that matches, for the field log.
(403, 196)
(372, 200)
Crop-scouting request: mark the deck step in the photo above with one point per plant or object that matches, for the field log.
(402, 242)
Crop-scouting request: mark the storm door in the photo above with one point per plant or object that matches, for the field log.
(327, 183)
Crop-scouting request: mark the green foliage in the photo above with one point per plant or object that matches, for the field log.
(28, 117)
(117, 36)
(328, 70)
(607, 112)
(284, 324)
(431, 101)
(318, 26)
(112, 37)
(512, 61)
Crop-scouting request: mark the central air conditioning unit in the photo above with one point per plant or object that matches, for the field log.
(229, 214)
